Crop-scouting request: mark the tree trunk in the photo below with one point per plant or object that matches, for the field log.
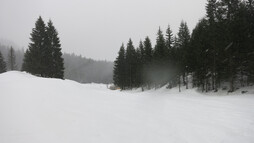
(179, 82)
(187, 81)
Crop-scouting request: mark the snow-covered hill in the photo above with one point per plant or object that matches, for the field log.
(40, 110)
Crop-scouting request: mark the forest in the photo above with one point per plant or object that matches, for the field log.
(217, 54)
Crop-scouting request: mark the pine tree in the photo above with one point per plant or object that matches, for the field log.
(12, 60)
(183, 43)
(44, 56)
(160, 50)
(34, 58)
(140, 53)
(160, 61)
(2, 64)
(131, 65)
(211, 15)
(54, 54)
(169, 38)
(199, 61)
(148, 56)
(250, 39)
(119, 71)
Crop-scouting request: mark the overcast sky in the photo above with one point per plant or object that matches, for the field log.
(96, 28)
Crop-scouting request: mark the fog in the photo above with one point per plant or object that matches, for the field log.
(77, 68)
(96, 28)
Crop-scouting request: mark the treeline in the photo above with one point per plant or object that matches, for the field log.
(85, 70)
(220, 51)
(10, 59)
(78, 68)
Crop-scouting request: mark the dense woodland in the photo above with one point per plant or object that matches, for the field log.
(219, 53)
(85, 70)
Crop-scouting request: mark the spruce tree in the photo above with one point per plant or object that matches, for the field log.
(44, 56)
(131, 65)
(160, 50)
(211, 15)
(35, 56)
(160, 61)
(169, 38)
(55, 60)
(119, 71)
(183, 43)
(199, 62)
(140, 52)
(2, 64)
(147, 68)
(148, 51)
(12, 60)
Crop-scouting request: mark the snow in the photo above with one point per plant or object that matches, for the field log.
(40, 110)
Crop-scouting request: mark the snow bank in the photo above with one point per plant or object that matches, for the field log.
(40, 110)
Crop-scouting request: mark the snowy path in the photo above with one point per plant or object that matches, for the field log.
(38, 110)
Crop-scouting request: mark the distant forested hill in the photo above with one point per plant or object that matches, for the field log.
(85, 70)
(77, 68)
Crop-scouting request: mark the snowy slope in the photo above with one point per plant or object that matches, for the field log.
(39, 110)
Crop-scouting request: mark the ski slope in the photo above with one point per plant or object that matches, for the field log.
(40, 110)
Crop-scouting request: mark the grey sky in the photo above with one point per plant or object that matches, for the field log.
(96, 28)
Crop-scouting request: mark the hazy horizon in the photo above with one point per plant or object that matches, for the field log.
(96, 28)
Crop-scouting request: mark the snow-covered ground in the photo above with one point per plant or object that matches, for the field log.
(40, 110)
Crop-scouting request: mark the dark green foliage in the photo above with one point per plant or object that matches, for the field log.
(183, 51)
(160, 68)
(56, 66)
(140, 53)
(147, 66)
(44, 57)
(160, 50)
(2, 64)
(131, 65)
(119, 76)
(33, 58)
(169, 38)
(219, 52)
(12, 60)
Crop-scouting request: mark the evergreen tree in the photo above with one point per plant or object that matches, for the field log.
(160, 50)
(250, 39)
(200, 62)
(140, 53)
(2, 64)
(44, 56)
(169, 38)
(211, 15)
(219, 50)
(119, 71)
(34, 58)
(160, 61)
(54, 54)
(148, 56)
(131, 65)
(148, 51)
(12, 60)
(183, 45)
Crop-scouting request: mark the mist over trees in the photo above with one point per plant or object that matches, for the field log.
(16, 54)
(218, 52)
(2, 64)
(12, 60)
(77, 68)
(86, 70)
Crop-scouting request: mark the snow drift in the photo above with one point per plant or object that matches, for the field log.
(40, 110)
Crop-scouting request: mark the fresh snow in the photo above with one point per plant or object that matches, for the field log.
(41, 110)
